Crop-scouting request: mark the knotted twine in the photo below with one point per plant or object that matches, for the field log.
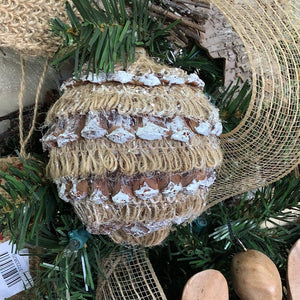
(23, 142)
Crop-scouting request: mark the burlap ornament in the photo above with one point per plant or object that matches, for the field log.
(134, 151)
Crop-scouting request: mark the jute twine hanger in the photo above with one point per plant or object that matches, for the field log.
(23, 142)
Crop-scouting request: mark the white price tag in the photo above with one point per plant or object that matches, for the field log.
(14, 272)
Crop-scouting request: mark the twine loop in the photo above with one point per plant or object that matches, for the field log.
(24, 141)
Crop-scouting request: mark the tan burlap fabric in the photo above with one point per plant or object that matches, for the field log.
(161, 214)
(180, 100)
(129, 275)
(25, 25)
(5, 163)
(266, 145)
(86, 158)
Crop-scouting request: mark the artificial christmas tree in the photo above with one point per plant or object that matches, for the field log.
(263, 148)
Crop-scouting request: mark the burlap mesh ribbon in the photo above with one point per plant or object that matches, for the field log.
(266, 145)
(129, 275)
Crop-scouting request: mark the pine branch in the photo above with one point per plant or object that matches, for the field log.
(233, 102)
(102, 38)
(35, 216)
(197, 60)
(188, 251)
(29, 203)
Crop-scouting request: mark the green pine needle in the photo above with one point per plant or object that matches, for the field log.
(102, 38)
(187, 252)
(233, 103)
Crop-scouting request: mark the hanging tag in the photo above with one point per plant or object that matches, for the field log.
(14, 271)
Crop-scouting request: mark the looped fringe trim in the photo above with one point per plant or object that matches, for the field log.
(94, 215)
(160, 101)
(85, 158)
(185, 209)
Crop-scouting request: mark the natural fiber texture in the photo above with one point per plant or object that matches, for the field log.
(266, 145)
(25, 25)
(149, 240)
(144, 65)
(111, 217)
(129, 275)
(20, 101)
(167, 95)
(94, 214)
(143, 212)
(5, 163)
(177, 100)
(98, 157)
(23, 142)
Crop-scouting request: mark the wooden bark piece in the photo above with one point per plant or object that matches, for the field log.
(293, 278)
(255, 276)
(206, 24)
(222, 41)
(208, 285)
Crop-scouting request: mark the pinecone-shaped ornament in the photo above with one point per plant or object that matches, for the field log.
(134, 151)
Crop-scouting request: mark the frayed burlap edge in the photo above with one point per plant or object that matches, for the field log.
(149, 240)
(144, 64)
(160, 101)
(98, 157)
(94, 216)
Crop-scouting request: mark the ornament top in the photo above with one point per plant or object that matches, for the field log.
(143, 72)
